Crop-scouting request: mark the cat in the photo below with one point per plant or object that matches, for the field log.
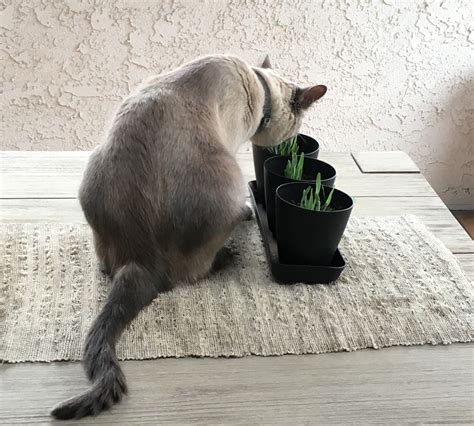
(164, 191)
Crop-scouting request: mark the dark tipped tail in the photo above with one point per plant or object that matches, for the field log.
(133, 288)
(107, 390)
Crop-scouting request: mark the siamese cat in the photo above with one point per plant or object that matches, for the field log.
(164, 191)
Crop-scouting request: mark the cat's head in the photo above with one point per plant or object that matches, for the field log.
(288, 103)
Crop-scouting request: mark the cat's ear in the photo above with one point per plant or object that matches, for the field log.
(305, 97)
(266, 63)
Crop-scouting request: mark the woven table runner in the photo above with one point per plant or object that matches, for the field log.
(402, 286)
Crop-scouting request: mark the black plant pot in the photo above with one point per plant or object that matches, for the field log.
(308, 237)
(307, 144)
(274, 177)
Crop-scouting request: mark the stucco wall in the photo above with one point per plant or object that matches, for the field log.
(400, 73)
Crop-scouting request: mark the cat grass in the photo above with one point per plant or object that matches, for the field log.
(312, 200)
(287, 147)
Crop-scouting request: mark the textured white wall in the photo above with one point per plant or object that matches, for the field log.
(400, 73)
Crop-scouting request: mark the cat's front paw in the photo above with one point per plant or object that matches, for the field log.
(224, 258)
(247, 213)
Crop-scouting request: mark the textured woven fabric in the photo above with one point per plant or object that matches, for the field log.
(401, 287)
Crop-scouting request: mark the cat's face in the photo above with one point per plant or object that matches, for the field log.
(289, 102)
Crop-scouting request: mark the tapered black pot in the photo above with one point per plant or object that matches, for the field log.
(307, 144)
(274, 177)
(307, 237)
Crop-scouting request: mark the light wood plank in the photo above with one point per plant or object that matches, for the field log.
(430, 210)
(351, 180)
(59, 162)
(46, 175)
(385, 185)
(66, 186)
(385, 162)
(39, 186)
(74, 162)
(41, 210)
(43, 162)
(417, 384)
(341, 161)
(16, 168)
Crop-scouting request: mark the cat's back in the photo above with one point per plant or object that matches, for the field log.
(165, 138)
(175, 107)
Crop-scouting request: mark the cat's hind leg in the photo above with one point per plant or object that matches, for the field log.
(103, 254)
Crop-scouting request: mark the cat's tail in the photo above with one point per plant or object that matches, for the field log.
(133, 287)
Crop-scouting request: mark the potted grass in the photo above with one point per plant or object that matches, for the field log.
(297, 144)
(284, 169)
(310, 221)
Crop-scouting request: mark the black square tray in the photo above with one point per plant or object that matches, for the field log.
(286, 273)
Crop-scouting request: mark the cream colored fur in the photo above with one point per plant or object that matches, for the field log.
(164, 192)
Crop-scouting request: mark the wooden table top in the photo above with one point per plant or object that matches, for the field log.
(42, 186)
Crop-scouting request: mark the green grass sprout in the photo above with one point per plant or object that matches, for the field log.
(312, 200)
(287, 147)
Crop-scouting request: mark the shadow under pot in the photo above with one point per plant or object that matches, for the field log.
(274, 176)
(308, 237)
(306, 144)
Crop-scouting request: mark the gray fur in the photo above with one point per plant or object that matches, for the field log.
(164, 191)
